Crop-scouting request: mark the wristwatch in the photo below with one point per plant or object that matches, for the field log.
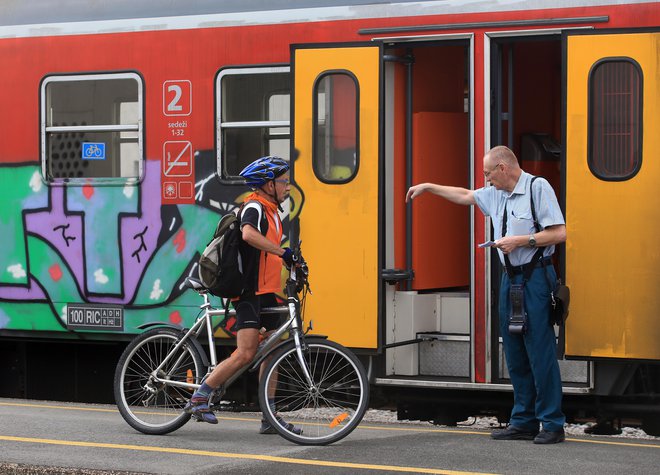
(532, 241)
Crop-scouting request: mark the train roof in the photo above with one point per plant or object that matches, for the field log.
(60, 17)
(21, 12)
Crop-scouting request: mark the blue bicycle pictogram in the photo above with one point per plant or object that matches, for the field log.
(93, 151)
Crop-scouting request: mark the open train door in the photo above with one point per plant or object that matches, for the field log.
(612, 146)
(336, 130)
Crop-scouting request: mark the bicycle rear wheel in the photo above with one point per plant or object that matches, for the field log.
(149, 406)
(326, 410)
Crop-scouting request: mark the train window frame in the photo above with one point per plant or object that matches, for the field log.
(596, 130)
(130, 132)
(316, 159)
(273, 130)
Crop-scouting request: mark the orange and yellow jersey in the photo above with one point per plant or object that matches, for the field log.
(262, 270)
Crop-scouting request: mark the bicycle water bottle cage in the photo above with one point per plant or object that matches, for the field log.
(518, 316)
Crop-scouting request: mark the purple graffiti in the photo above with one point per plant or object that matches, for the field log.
(60, 228)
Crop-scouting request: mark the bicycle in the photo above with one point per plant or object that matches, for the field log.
(317, 383)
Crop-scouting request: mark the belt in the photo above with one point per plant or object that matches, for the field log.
(517, 270)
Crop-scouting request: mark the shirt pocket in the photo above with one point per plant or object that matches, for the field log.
(522, 225)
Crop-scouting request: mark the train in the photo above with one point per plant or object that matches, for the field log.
(125, 125)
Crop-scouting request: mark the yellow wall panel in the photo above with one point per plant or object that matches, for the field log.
(612, 252)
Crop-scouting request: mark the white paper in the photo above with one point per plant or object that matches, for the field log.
(487, 244)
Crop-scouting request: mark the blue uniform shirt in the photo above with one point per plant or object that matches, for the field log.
(491, 201)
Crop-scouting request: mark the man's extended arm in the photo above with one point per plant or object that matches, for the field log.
(461, 196)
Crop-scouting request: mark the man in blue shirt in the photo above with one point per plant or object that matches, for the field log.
(530, 355)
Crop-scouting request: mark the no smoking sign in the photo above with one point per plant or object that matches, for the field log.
(177, 158)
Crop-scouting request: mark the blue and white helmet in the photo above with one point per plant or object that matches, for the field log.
(263, 170)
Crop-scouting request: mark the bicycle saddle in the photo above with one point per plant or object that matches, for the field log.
(194, 284)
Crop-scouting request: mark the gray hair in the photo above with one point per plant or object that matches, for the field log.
(503, 154)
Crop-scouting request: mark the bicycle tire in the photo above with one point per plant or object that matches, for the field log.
(159, 411)
(326, 413)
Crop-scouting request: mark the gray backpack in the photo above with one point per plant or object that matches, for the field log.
(221, 266)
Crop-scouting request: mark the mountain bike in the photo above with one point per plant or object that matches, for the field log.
(316, 383)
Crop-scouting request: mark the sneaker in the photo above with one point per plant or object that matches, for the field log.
(513, 433)
(199, 408)
(267, 428)
(550, 437)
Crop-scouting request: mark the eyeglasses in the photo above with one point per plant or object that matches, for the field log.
(283, 181)
(487, 173)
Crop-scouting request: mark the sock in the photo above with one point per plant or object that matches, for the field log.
(271, 404)
(204, 391)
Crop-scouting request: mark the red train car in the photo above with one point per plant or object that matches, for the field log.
(125, 126)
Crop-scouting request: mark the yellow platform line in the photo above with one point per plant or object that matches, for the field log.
(650, 444)
(263, 458)
(52, 406)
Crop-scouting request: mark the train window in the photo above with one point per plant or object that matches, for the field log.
(335, 122)
(253, 110)
(92, 128)
(615, 119)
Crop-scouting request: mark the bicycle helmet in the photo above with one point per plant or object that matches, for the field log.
(264, 169)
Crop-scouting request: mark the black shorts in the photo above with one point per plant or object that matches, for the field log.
(248, 309)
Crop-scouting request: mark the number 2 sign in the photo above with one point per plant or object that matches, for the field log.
(177, 97)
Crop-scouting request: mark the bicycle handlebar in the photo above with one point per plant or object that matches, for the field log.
(301, 275)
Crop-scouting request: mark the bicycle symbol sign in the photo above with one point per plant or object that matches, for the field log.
(93, 151)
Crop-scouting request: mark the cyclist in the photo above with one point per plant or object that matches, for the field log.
(262, 258)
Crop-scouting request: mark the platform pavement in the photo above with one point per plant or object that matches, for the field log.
(87, 438)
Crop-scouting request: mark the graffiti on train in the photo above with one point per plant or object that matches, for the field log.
(104, 245)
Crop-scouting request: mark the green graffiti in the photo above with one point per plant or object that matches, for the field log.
(36, 316)
(22, 188)
(171, 261)
(50, 271)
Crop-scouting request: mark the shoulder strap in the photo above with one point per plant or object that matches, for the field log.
(263, 220)
(507, 263)
(538, 255)
(531, 204)
(541, 249)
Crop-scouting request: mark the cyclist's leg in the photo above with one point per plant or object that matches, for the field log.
(271, 323)
(247, 339)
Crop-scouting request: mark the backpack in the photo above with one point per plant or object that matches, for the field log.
(221, 266)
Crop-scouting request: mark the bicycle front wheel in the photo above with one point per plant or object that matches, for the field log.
(153, 406)
(328, 407)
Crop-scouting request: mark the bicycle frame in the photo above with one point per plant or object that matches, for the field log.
(293, 323)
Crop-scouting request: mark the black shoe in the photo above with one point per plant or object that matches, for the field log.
(199, 408)
(549, 437)
(513, 433)
(266, 428)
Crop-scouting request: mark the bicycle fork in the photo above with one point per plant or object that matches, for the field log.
(295, 326)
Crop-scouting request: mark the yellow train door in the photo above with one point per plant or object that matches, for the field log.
(612, 168)
(336, 117)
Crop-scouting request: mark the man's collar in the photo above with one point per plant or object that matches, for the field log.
(521, 185)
